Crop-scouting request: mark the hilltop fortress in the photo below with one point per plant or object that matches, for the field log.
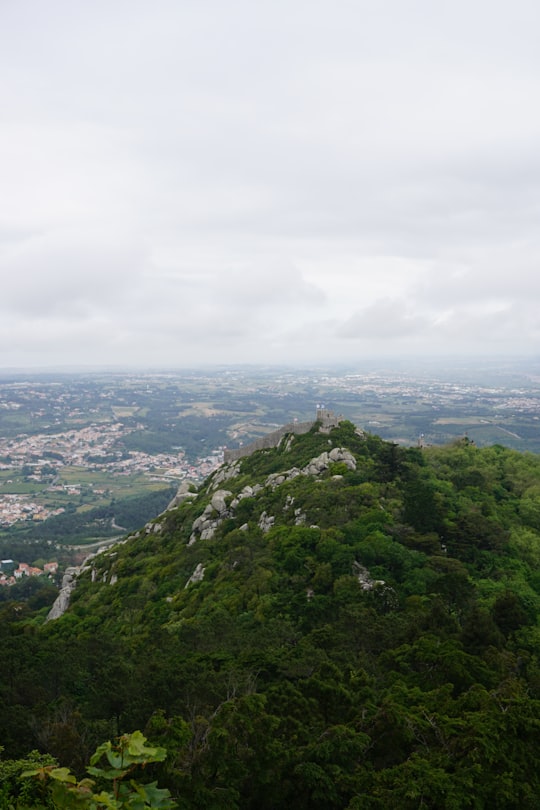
(326, 418)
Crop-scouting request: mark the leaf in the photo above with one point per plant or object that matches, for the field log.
(106, 800)
(108, 773)
(104, 748)
(138, 751)
(136, 744)
(151, 796)
(63, 775)
(41, 773)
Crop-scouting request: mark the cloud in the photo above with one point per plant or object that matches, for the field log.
(383, 320)
(245, 180)
(67, 277)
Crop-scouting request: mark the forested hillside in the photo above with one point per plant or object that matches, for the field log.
(336, 623)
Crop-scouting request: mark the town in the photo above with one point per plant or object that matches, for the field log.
(40, 459)
(10, 573)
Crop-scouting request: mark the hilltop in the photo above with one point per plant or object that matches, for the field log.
(335, 622)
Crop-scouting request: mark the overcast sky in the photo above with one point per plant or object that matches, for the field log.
(198, 181)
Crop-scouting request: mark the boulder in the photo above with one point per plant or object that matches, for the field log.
(218, 501)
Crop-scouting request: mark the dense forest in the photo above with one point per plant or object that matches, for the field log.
(339, 622)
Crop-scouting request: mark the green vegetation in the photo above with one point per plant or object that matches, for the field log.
(366, 636)
(56, 787)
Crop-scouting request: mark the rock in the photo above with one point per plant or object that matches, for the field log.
(299, 517)
(227, 472)
(288, 443)
(362, 574)
(61, 603)
(197, 576)
(183, 494)
(218, 501)
(343, 455)
(266, 522)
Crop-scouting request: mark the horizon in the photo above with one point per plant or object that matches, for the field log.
(426, 364)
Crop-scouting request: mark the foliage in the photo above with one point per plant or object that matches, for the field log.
(118, 762)
(11, 783)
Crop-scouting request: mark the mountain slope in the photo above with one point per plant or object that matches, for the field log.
(337, 622)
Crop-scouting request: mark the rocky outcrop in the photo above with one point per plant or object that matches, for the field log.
(266, 522)
(222, 505)
(247, 492)
(315, 467)
(197, 576)
(225, 473)
(183, 494)
(219, 501)
(204, 527)
(362, 574)
(206, 524)
(61, 603)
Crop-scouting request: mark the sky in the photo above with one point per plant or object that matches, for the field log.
(193, 182)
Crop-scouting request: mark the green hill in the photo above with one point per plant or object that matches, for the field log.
(335, 623)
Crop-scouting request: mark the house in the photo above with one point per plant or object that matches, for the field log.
(25, 570)
(50, 568)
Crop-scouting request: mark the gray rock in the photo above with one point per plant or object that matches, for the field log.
(218, 501)
(266, 522)
(197, 576)
(299, 517)
(183, 494)
(61, 603)
(362, 574)
(227, 472)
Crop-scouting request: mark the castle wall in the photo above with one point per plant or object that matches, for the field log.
(269, 440)
(327, 419)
